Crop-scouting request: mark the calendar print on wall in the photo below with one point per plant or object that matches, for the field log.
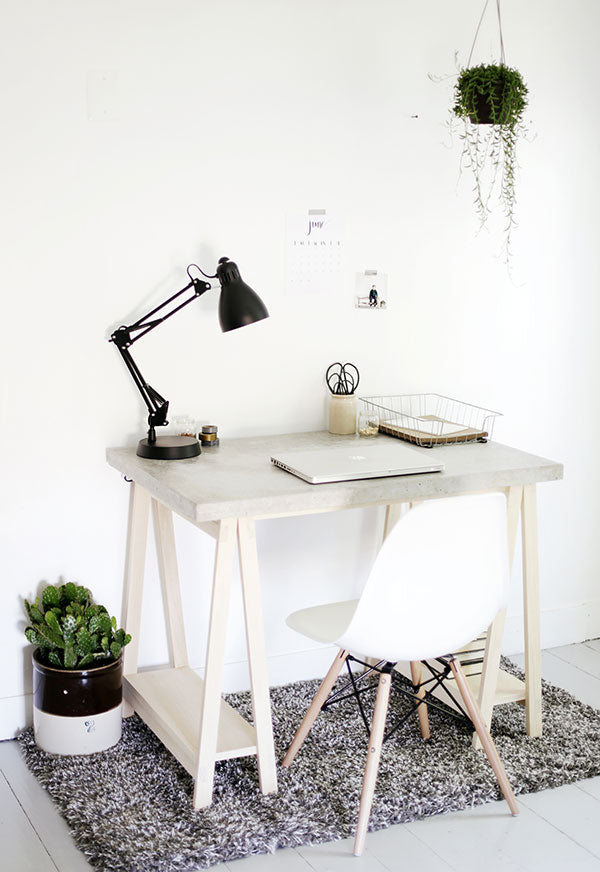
(314, 252)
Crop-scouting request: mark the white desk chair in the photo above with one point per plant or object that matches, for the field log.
(439, 579)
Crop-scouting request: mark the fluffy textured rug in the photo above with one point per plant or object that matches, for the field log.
(130, 809)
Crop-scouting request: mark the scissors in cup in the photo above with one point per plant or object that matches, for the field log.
(342, 378)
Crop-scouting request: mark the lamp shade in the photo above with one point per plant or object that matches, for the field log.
(238, 304)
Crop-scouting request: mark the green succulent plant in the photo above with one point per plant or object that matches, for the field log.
(490, 93)
(71, 631)
(491, 99)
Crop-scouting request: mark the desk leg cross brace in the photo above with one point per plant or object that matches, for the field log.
(188, 715)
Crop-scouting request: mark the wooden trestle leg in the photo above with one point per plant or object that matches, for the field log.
(133, 587)
(257, 657)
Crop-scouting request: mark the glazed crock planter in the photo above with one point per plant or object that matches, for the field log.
(77, 711)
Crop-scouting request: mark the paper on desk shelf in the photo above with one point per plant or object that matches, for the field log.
(439, 426)
(445, 432)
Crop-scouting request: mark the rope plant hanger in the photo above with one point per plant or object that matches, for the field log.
(490, 99)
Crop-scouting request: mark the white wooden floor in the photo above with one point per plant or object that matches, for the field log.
(557, 830)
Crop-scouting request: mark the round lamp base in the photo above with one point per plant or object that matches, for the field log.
(169, 448)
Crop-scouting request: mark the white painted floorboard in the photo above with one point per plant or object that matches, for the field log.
(50, 827)
(488, 838)
(571, 811)
(584, 657)
(22, 849)
(591, 786)
(557, 830)
(559, 671)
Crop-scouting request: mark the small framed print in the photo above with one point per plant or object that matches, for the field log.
(371, 290)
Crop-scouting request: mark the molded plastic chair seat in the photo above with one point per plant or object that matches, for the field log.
(324, 623)
(439, 579)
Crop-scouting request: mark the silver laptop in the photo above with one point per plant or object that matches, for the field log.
(378, 459)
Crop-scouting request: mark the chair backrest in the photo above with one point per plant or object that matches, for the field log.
(438, 581)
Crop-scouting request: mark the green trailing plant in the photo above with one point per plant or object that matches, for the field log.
(490, 100)
(72, 631)
(490, 93)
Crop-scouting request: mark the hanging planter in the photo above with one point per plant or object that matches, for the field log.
(490, 99)
(490, 94)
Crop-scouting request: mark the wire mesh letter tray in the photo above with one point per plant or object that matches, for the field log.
(431, 419)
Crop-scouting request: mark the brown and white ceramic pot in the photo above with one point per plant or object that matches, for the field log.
(77, 711)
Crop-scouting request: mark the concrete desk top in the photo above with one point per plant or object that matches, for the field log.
(237, 479)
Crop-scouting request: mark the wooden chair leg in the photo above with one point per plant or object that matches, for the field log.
(484, 736)
(315, 707)
(489, 672)
(416, 671)
(373, 757)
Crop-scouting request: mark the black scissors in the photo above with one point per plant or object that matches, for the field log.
(342, 378)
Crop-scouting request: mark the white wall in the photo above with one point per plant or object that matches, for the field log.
(215, 120)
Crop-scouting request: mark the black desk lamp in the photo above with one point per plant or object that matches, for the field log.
(238, 305)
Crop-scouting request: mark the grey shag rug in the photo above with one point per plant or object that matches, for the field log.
(130, 808)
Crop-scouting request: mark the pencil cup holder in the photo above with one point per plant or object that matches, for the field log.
(342, 414)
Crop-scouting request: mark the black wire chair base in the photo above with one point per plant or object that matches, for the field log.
(355, 687)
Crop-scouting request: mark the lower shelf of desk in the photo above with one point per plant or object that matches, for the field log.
(508, 687)
(169, 702)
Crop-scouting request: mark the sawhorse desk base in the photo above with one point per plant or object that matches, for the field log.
(186, 712)
(223, 495)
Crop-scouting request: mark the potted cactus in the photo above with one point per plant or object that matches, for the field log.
(77, 671)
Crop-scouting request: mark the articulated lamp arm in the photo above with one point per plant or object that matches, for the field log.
(239, 305)
(124, 337)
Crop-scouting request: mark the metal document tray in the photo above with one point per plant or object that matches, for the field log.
(431, 419)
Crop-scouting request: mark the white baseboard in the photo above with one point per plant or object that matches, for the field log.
(564, 626)
(16, 714)
(283, 668)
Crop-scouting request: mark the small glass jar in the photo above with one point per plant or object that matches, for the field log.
(183, 425)
(342, 414)
(368, 423)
